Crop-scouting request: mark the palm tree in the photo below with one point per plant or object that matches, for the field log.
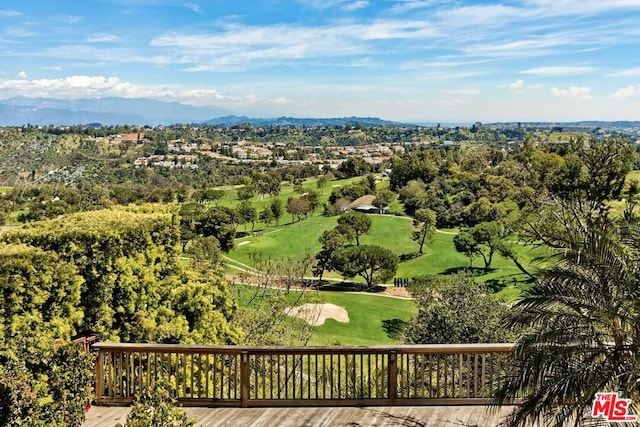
(582, 333)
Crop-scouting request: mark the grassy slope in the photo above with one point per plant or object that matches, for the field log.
(369, 316)
(440, 256)
(286, 191)
(373, 319)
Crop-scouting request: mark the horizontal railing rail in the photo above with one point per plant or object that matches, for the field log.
(85, 343)
(200, 375)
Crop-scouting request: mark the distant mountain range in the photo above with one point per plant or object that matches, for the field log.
(109, 111)
(118, 111)
(296, 121)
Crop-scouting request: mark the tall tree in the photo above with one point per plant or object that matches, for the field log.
(485, 239)
(372, 263)
(413, 195)
(582, 333)
(358, 222)
(221, 223)
(454, 310)
(425, 222)
(298, 207)
(41, 299)
(321, 183)
(134, 286)
(190, 214)
(331, 241)
(247, 214)
(383, 199)
(277, 209)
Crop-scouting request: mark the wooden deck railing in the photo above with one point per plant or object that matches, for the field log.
(302, 376)
(85, 343)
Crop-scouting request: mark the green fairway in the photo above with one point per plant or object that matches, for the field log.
(285, 241)
(373, 319)
(286, 190)
(393, 232)
(295, 239)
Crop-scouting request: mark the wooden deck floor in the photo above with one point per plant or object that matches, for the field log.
(411, 416)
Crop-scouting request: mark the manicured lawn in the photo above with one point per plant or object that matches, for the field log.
(286, 241)
(373, 319)
(393, 232)
(286, 191)
(12, 218)
(297, 239)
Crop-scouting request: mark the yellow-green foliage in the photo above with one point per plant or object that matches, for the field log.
(40, 298)
(134, 287)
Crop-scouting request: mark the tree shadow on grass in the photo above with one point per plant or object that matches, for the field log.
(496, 285)
(409, 256)
(393, 328)
(474, 271)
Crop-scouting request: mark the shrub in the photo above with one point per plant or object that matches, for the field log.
(52, 392)
(155, 408)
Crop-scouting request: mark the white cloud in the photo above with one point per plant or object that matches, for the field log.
(22, 75)
(557, 71)
(412, 5)
(69, 19)
(348, 5)
(578, 92)
(626, 92)
(518, 48)
(75, 87)
(355, 5)
(516, 86)
(282, 101)
(239, 45)
(494, 15)
(580, 7)
(193, 7)
(102, 38)
(450, 102)
(6, 13)
(19, 32)
(626, 72)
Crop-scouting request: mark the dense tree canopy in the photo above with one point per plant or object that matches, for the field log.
(372, 263)
(133, 287)
(40, 299)
(357, 222)
(455, 310)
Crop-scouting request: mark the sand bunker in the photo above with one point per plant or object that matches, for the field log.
(316, 314)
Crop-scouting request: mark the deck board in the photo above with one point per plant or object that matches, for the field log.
(409, 416)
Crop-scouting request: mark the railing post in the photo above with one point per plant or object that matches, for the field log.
(244, 379)
(392, 372)
(99, 377)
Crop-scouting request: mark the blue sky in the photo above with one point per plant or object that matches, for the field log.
(412, 60)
